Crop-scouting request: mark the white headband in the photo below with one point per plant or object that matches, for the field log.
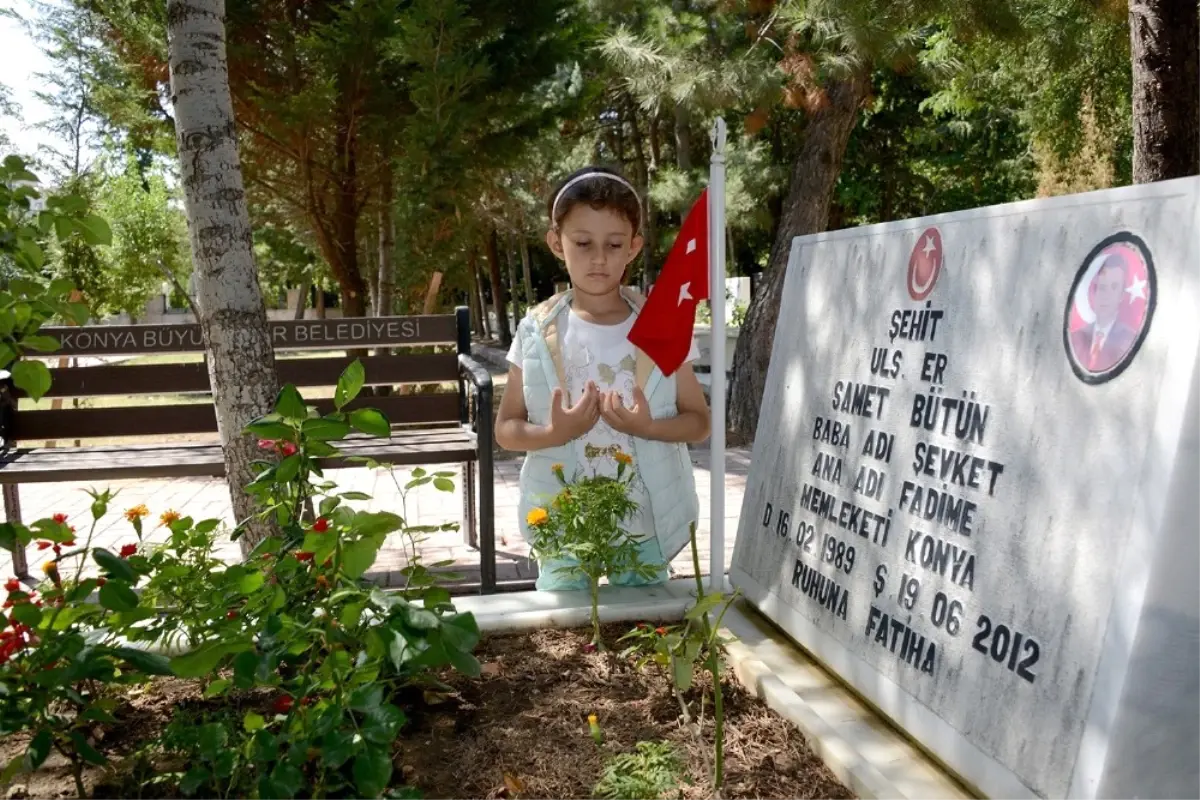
(585, 176)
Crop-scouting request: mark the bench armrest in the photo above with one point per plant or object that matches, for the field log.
(470, 370)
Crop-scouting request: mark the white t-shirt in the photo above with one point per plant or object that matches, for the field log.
(602, 354)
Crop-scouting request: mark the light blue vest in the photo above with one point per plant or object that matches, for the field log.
(665, 468)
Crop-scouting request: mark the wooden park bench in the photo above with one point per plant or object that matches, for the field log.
(442, 427)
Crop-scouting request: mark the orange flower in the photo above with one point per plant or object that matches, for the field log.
(538, 516)
(169, 517)
(137, 512)
(623, 458)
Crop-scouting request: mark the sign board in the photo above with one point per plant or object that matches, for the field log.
(334, 334)
(973, 492)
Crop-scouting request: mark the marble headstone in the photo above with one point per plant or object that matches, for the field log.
(974, 488)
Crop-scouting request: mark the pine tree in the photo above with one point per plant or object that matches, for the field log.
(829, 50)
(68, 36)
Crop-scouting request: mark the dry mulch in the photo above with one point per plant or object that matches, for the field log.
(527, 718)
(519, 731)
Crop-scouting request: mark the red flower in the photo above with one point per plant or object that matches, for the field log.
(641, 626)
(69, 543)
(12, 585)
(101, 581)
(231, 614)
(303, 556)
(321, 525)
(45, 545)
(287, 448)
(127, 550)
(283, 704)
(60, 518)
(661, 631)
(267, 444)
(7, 604)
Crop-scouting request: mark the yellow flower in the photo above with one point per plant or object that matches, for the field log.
(169, 517)
(557, 468)
(623, 458)
(592, 719)
(50, 567)
(537, 516)
(137, 512)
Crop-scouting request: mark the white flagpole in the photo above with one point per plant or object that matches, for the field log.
(716, 300)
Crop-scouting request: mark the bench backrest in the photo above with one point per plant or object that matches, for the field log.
(432, 344)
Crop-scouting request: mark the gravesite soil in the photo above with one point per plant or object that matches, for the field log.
(520, 730)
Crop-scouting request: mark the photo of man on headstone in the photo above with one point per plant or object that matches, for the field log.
(1109, 309)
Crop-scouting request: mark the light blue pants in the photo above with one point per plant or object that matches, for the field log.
(551, 580)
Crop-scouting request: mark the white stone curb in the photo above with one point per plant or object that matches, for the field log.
(521, 611)
(866, 754)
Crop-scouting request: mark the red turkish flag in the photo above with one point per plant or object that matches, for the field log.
(663, 329)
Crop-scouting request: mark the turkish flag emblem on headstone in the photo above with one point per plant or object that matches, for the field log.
(925, 264)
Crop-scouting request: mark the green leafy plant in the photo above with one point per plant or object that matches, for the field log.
(29, 301)
(648, 773)
(583, 527)
(678, 649)
(61, 651)
(304, 648)
(330, 647)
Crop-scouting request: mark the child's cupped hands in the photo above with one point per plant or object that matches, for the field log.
(569, 422)
(634, 420)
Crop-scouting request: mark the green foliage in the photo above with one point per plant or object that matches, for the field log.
(149, 242)
(652, 770)
(677, 649)
(69, 37)
(295, 623)
(583, 526)
(1066, 70)
(911, 157)
(29, 300)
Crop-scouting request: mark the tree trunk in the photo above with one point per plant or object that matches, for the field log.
(530, 298)
(387, 243)
(642, 177)
(473, 301)
(1165, 49)
(339, 241)
(430, 304)
(514, 293)
(499, 299)
(241, 362)
(806, 210)
(367, 260)
(302, 300)
(484, 329)
(320, 303)
(683, 137)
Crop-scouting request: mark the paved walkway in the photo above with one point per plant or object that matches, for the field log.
(203, 498)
